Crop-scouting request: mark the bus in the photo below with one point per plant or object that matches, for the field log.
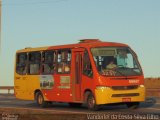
(91, 72)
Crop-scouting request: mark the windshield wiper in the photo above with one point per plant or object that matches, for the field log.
(120, 73)
(130, 69)
(134, 71)
(123, 67)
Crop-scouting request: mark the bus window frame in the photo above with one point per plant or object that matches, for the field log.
(70, 62)
(26, 62)
(54, 62)
(133, 53)
(29, 63)
(90, 64)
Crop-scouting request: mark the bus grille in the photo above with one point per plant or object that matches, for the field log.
(126, 95)
(124, 87)
(123, 78)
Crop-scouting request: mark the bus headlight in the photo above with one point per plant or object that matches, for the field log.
(102, 87)
(141, 85)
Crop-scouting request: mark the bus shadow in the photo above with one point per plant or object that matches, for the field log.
(104, 108)
(149, 102)
(66, 106)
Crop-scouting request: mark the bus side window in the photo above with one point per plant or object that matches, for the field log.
(48, 62)
(64, 61)
(34, 62)
(87, 67)
(21, 63)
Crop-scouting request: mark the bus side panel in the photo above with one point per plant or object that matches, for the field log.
(61, 90)
(33, 83)
(26, 85)
(87, 84)
(20, 87)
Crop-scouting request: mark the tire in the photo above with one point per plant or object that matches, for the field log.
(75, 105)
(132, 105)
(40, 100)
(91, 103)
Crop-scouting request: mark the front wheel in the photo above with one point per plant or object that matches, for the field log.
(132, 105)
(40, 100)
(91, 103)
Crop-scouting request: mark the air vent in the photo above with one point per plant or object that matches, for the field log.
(126, 95)
(89, 40)
(124, 87)
(27, 48)
(124, 78)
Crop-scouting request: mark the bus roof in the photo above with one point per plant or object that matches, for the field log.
(86, 43)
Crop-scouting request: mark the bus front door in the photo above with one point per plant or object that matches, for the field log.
(77, 73)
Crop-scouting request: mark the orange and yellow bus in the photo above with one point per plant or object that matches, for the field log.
(91, 72)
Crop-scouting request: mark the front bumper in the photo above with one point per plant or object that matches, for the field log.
(108, 95)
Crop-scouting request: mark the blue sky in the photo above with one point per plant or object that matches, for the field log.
(35, 23)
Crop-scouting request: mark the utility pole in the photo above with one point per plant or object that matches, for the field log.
(0, 27)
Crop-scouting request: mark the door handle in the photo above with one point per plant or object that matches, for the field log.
(17, 77)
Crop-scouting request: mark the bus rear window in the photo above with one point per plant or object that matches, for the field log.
(21, 63)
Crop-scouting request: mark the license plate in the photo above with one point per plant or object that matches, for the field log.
(126, 99)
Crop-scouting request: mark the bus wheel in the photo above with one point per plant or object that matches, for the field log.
(91, 103)
(75, 104)
(40, 100)
(132, 105)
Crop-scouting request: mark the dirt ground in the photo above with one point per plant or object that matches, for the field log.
(152, 83)
(152, 87)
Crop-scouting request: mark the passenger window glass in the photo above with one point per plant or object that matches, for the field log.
(87, 67)
(21, 63)
(48, 62)
(64, 61)
(34, 62)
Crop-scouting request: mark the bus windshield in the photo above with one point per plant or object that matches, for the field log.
(116, 61)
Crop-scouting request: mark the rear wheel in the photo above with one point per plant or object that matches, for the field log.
(40, 100)
(91, 103)
(132, 105)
